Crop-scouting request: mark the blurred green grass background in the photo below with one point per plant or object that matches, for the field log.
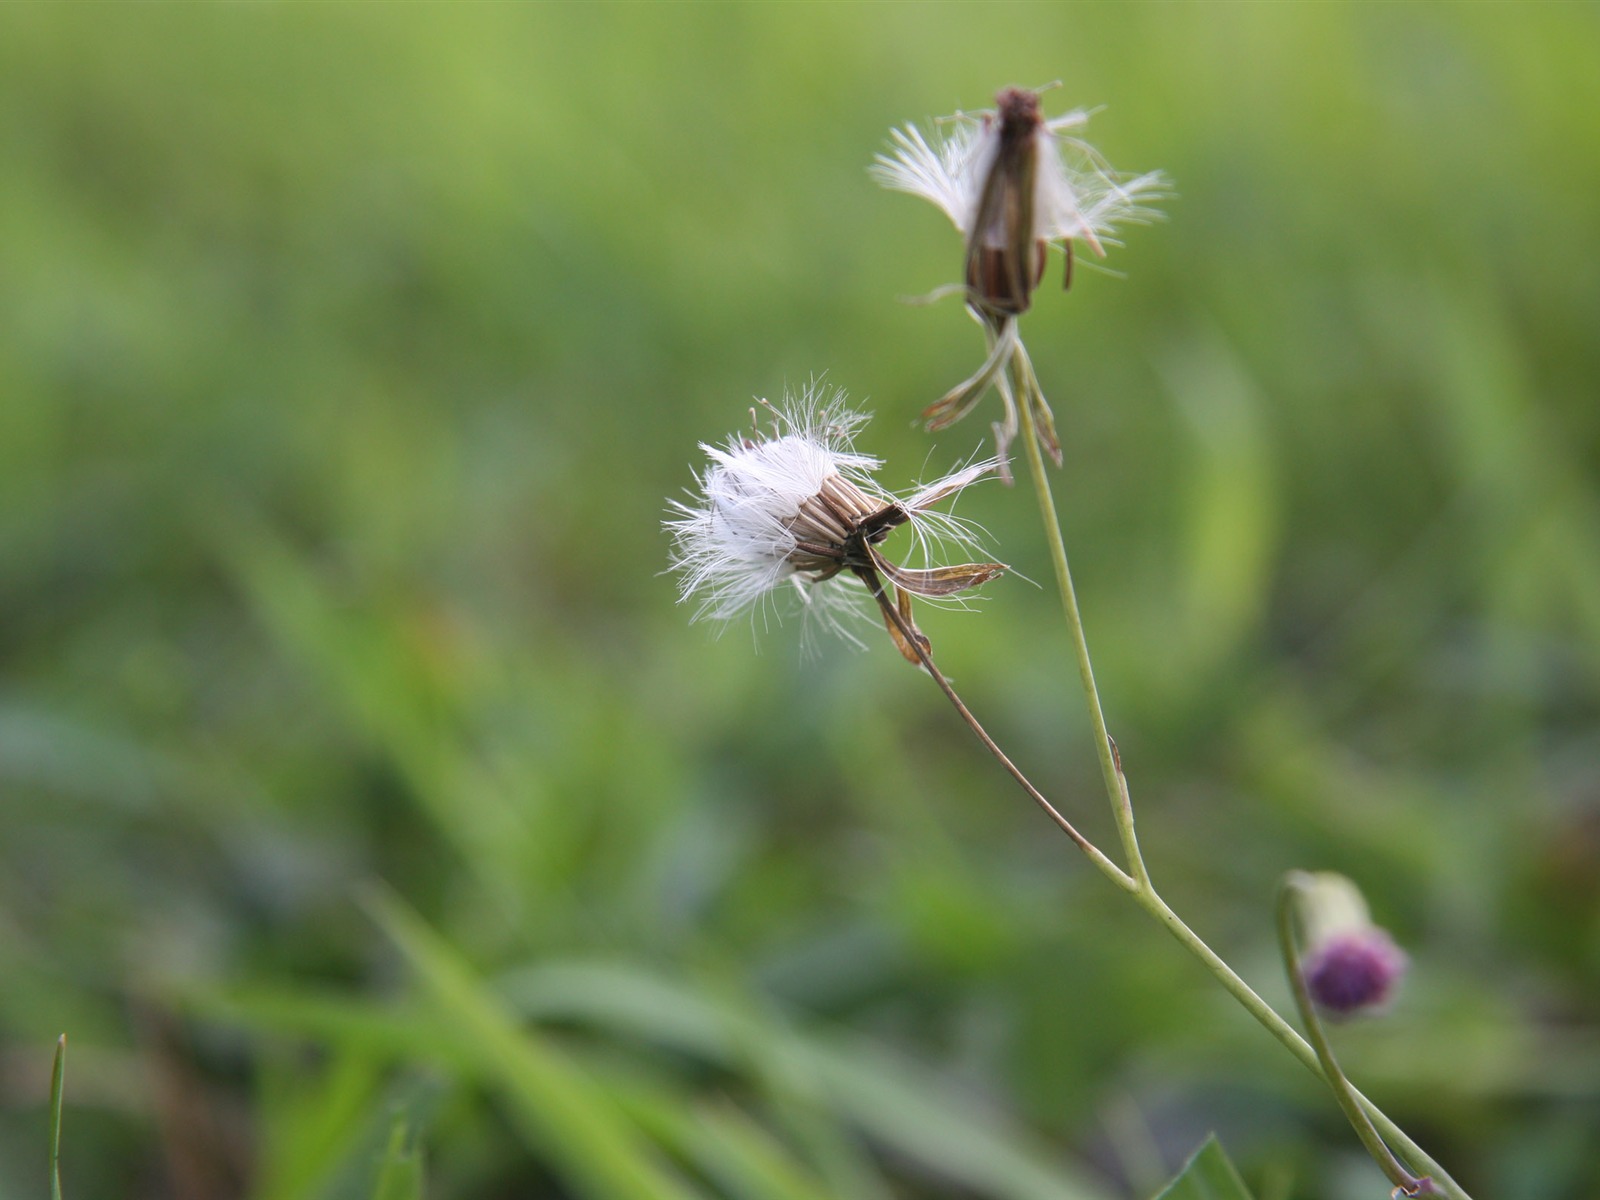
(356, 760)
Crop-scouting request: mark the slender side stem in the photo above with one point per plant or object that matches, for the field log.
(1110, 769)
(1405, 1183)
(1143, 891)
(1263, 1012)
(917, 642)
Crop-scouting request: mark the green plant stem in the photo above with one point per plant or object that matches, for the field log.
(1110, 770)
(1144, 893)
(1294, 886)
(1263, 1012)
(919, 644)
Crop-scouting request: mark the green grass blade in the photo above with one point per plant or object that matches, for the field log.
(888, 1100)
(349, 1022)
(725, 1143)
(565, 1114)
(311, 1123)
(400, 1169)
(1209, 1175)
(56, 1075)
(377, 686)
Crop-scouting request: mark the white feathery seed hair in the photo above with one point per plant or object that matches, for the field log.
(1077, 195)
(735, 541)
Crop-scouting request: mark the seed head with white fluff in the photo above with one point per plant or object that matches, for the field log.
(793, 508)
(1012, 182)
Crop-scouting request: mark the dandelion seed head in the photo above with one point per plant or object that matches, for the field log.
(1077, 195)
(777, 516)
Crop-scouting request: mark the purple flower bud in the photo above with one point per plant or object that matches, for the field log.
(1354, 971)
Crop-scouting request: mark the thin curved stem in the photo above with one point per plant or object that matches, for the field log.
(1406, 1184)
(913, 638)
(1152, 903)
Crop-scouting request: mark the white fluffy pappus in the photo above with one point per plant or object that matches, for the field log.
(786, 511)
(1077, 196)
(1014, 184)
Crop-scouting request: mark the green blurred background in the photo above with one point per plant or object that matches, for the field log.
(356, 761)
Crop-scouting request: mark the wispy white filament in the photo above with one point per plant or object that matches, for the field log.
(1077, 195)
(734, 541)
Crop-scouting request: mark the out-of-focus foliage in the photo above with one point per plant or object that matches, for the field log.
(347, 357)
(1207, 1176)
